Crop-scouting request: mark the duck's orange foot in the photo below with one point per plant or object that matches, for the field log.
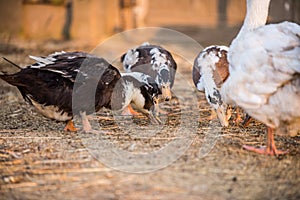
(70, 126)
(128, 110)
(265, 150)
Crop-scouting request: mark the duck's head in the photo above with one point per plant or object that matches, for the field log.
(215, 101)
(150, 92)
(163, 79)
(140, 90)
(161, 66)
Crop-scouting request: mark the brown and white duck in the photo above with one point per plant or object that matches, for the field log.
(210, 70)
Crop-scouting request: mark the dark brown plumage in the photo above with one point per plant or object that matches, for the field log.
(65, 84)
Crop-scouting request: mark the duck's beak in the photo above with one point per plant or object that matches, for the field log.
(223, 117)
(166, 92)
(156, 105)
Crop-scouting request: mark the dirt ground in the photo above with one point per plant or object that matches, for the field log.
(132, 159)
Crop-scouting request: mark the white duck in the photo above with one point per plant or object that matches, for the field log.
(265, 73)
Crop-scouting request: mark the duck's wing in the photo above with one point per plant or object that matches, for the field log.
(145, 56)
(145, 81)
(136, 58)
(69, 64)
(211, 60)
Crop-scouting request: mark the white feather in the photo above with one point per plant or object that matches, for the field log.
(45, 61)
(132, 95)
(130, 59)
(141, 77)
(206, 65)
(158, 59)
(145, 44)
(263, 62)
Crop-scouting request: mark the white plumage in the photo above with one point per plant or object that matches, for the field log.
(265, 73)
(143, 78)
(131, 58)
(42, 61)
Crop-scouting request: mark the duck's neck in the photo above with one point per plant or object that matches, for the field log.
(256, 16)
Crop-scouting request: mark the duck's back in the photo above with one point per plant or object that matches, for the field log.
(49, 92)
(147, 59)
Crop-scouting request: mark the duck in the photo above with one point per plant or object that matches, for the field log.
(141, 91)
(264, 74)
(210, 71)
(154, 61)
(64, 84)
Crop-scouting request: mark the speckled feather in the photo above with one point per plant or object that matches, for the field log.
(210, 70)
(143, 60)
(137, 88)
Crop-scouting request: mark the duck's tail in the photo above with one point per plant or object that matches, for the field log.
(9, 78)
(12, 63)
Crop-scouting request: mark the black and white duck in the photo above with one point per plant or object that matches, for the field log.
(154, 61)
(52, 83)
(140, 90)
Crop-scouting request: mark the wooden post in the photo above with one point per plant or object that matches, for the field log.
(222, 13)
(67, 26)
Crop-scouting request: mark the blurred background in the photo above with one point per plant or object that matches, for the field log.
(92, 21)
